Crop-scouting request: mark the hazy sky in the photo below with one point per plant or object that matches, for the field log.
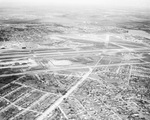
(121, 3)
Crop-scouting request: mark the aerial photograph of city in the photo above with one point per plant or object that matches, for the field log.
(74, 59)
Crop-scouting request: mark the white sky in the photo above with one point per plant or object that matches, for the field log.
(121, 3)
